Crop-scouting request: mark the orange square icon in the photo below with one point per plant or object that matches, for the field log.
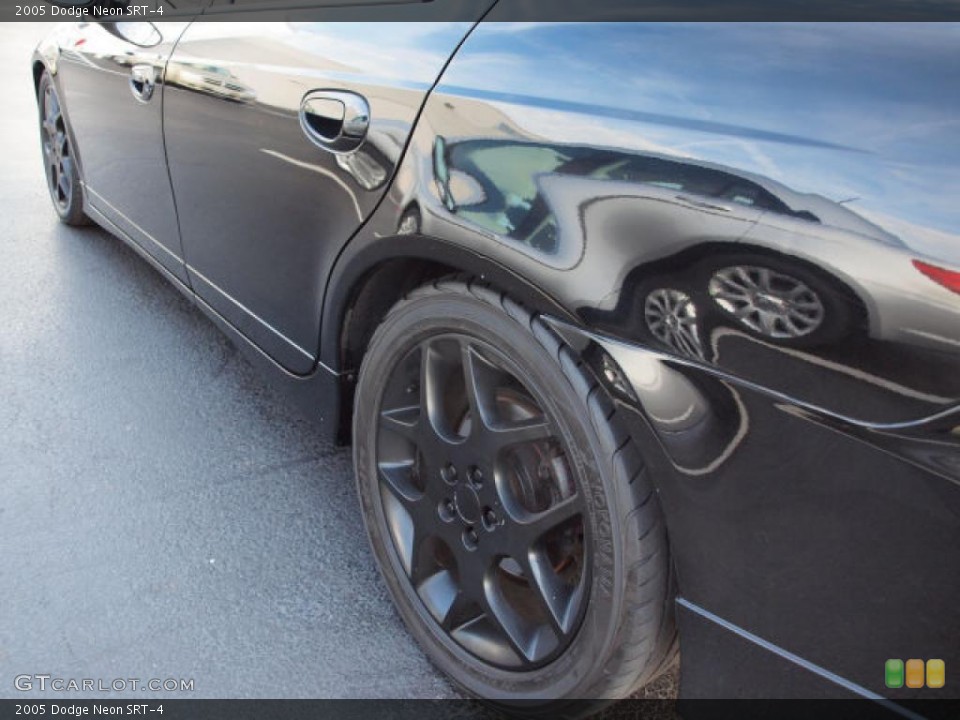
(936, 673)
(915, 673)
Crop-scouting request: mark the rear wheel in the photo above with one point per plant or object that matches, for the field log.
(507, 506)
(779, 300)
(59, 159)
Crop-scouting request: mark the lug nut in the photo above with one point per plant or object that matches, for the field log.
(449, 474)
(470, 539)
(490, 519)
(446, 510)
(475, 476)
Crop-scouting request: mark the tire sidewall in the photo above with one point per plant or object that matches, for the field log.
(571, 674)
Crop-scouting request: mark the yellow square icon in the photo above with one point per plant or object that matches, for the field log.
(914, 673)
(936, 673)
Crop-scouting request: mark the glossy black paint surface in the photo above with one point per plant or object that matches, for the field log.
(256, 194)
(806, 481)
(809, 480)
(126, 173)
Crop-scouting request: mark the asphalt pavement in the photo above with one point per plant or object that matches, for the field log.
(162, 515)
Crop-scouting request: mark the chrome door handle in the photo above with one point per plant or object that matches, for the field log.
(143, 79)
(335, 120)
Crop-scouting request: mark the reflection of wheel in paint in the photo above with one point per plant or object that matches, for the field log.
(770, 303)
(671, 317)
(780, 300)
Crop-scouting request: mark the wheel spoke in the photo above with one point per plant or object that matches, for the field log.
(552, 594)
(793, 329)
(63, 185)
(688, 340)
(533, 527)
(436, 364)
(446, 600)
(480, 381)
(409, 528)
(403, 421)
(504, 619)
(746, 281)
(51, 106)
(398, 478)
(765, 279)
(803, 316)
(458, 612)
(533, 430)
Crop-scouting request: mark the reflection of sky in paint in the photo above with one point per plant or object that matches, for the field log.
(403, 53)
(887, 92)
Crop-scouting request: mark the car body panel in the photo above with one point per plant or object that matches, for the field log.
(259, 194)
(123, 161)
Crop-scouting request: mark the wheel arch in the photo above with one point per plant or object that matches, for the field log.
(369, 279)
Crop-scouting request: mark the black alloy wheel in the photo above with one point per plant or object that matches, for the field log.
(481, 502)
(498, 512)
(59, 161)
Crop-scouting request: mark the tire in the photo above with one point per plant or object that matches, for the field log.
(621, 593)
(834, 311)
(61, 167)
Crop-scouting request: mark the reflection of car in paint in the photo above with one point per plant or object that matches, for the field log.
(209, 79)
(771, 286)
(533, 273)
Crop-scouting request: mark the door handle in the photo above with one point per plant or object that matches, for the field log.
(335, 120)
(695, 202)
(143, 79)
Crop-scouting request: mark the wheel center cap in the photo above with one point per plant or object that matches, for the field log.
(467, 503)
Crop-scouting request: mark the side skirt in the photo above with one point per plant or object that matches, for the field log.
(316, 395)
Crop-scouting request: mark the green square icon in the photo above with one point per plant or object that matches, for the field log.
(893, 673)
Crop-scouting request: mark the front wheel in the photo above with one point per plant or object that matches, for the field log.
(508, 509)
(59, 158)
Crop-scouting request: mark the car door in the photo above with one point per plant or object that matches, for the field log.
(112, 84)
(265, 202)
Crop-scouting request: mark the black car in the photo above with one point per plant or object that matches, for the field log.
(646, 336)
